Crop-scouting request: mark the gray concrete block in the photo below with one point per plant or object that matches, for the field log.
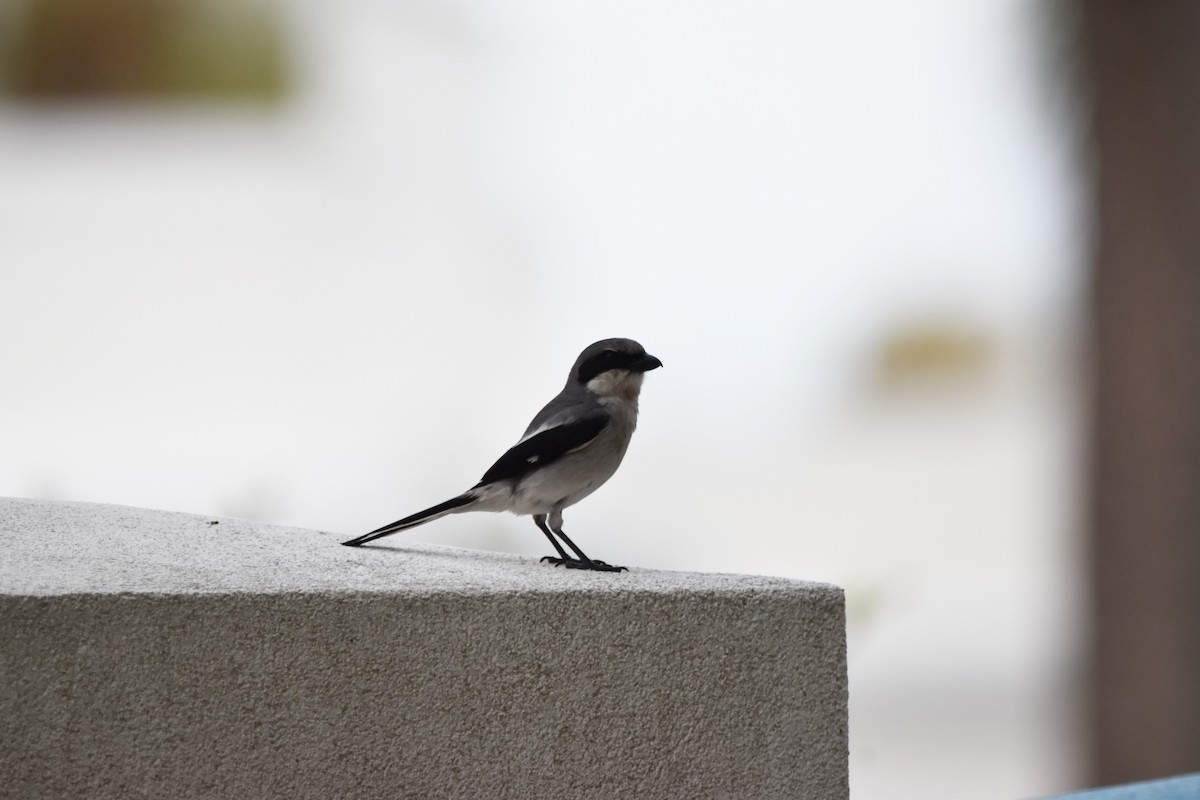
(155, 654)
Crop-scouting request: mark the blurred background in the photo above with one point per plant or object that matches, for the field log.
(318, 264)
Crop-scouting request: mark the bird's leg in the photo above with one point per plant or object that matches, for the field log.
(584, 562)
(540, 521)
(555, 529)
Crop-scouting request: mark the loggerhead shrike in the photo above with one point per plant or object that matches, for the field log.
(570, 449)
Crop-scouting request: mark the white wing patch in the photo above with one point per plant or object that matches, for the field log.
(535, 432)
(556, 421)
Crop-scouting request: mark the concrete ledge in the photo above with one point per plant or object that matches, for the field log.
(155, 654)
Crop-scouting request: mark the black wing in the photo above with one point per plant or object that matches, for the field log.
(548, 446)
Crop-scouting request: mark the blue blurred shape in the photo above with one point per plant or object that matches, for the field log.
(1184, 787)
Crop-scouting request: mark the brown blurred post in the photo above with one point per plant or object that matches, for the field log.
(1143, 64)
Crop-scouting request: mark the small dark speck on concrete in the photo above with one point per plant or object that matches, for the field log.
(214, 522)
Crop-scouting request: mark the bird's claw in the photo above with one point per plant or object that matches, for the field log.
(575, 563)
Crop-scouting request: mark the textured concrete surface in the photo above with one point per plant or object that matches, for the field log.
(155, 654)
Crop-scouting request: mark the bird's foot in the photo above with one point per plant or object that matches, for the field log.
(575, 563)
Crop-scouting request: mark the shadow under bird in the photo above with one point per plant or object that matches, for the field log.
(568, 451)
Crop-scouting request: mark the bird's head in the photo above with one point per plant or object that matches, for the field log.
(613, 368)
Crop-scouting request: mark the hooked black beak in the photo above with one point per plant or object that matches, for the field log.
(645, 363)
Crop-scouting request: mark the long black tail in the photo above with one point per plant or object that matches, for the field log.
(440, 510)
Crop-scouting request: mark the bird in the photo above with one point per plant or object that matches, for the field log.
(570, 449)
